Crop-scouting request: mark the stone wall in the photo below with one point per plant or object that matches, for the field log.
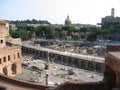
(112, 68)
(112, 72)
(14, 41)
(10, 55)
(81, 86)
(10, 60)
(23, 84)
(3, 32)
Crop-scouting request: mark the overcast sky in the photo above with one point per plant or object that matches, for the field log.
(56, 11)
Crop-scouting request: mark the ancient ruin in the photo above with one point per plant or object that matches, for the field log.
(10, 52)
(11, 57)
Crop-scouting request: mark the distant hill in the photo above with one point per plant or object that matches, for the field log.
(33, 21)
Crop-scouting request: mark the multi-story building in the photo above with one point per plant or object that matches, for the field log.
(10, 52)
(110, 22)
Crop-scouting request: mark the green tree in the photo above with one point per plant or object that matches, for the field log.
(92, 37)
(20, 34)
(69, 29)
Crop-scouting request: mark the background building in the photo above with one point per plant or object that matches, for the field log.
(68, 21)
(110, 22)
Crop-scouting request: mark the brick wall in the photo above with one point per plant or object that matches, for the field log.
(23, 84)
(113, 48)
(81, 86)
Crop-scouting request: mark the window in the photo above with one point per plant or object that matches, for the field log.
(0, 61)
(8, 57)
(18, 55)
(1, 41)
(14, 56)
(4, 58)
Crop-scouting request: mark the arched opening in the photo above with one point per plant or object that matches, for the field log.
(0, 61)
(83, 64)
(40, 53)
(76, 62)
(66, 60)
(8, 57)
(58, 59)
(14, 68)
(63, 59)
(98, 67)
(109, 78)
(30, 51)
(37, 52)
(5, 72)
(44, 54)
(34, 51)
(1, 41)
(70, 61)
(27, 50)
(90, 66)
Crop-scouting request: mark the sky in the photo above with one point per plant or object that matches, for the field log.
(56, 11)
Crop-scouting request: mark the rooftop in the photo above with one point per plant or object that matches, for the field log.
(116, 54)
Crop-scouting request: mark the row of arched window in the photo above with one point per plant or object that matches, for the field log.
(8, 58)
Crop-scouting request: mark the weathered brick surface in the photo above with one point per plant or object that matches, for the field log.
(10, 55)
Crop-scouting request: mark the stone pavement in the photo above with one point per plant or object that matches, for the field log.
(34, 72)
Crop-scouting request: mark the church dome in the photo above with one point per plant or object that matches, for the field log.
(68, 21)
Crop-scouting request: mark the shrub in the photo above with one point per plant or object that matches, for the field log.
(70, 72)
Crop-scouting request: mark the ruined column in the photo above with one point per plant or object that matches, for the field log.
(46, 79)
(48, 59)
(61, 60)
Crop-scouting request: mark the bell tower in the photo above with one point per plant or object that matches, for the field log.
(112, 12)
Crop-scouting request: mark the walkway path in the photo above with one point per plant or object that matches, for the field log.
(86, 57)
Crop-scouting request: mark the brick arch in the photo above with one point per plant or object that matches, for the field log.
(110, 77)
(5, 71)
(14, 68)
